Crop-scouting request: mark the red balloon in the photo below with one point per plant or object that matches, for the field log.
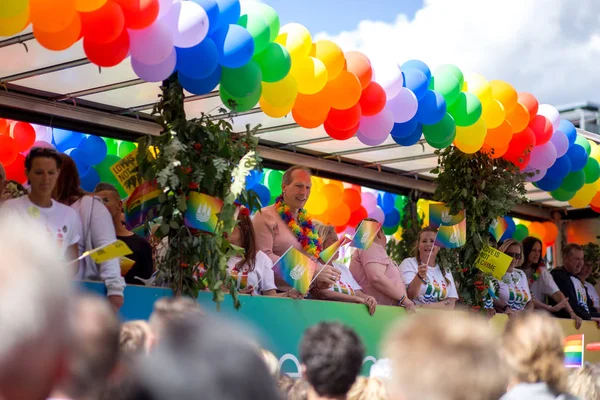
(340, 229)
(357, 216)
(339, 134)
(344, 119)
(530, 102)
(8, 150)
(24, 136)
(597, 209)
(520, 147)
(107, 54)
(4, 126)
(352, 198)
(16, 170)
(139, 14)
(103, 25)
(542, 128)
(373, 99)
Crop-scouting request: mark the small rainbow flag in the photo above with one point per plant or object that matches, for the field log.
(452, 237)
(143, 199)
(327, 254)
(296, 269)
(574, 346)
(439, 215)
(202, 211)
(498, 227)
(365, 234)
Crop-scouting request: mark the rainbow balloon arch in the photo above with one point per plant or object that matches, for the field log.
(255, 61)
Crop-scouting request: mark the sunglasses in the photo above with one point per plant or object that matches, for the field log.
(516, 256)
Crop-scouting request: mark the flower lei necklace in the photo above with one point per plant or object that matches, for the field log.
(303, 229)
(536, 274)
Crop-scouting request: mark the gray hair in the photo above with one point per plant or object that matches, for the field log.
(287, 175)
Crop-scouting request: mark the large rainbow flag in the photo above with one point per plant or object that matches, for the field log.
(574, 346)
(202, 212)
(452, 237)
(143, 199)
(296, 268)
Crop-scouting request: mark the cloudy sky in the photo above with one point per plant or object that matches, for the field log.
(550, 48)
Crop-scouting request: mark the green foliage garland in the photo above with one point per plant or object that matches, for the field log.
(592, 254)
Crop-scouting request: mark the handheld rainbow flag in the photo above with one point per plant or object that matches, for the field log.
(452, 237)
(143, 199)
(327, 254)
(365, 234)
(574, 346)
(296, 269)
(439, 215)
(498, 227)
(202, 212)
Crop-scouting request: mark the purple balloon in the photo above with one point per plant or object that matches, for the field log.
(377, 127)
(560, 142)
(404, 105)
(378, 215)
(369, 141)
(151, 45)
(537, 176)
(368, 201)
(542, 157)
(156, 72)
(39, 143)
(188, 23)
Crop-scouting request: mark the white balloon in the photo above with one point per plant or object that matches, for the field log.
(551, 113)
(188, 23)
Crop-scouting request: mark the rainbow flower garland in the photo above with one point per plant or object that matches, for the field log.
(303, 229)
(536, 274)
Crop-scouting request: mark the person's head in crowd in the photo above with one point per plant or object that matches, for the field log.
(243, 236)
(532, 252)
(200, 358)
(368, 389)
(112, 200)
(135, 339)
(513, 249)
(42, 167)
(299, 390)
(2, 179)
(295, 187)
(584, 382)
(67, 190)
(170, 309)
(586, 271)
(444, 356)
(285, 384)
(380, 237)
(573, 258)
(94, 349)
(425, 245)
(331, 355)
(35, 292)
(271, 362)
(532, 348)
(327, 235)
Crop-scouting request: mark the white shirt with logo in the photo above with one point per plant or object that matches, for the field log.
(591, 291)
(437, 288)
(514, 289)
(261, 278)
(347, 284)
(581, 295)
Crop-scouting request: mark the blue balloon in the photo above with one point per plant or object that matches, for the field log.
(199, 61)
(392, 219)
(410, 139)
(254, 178)
(560, 169)
(510, 229)
(416, 81)
(402, 130)
(90, 180)
(212, 10)
(201, 86)
(80, 158)
(432, 108)
(548, 183)
(229, 12)
(568, 129)
(64, 140)
(578, 157)
(94, 148)
(263, 193)
(417, 64)
(235, 46)
(386, 201)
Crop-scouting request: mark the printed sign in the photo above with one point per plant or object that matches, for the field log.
(493, 262)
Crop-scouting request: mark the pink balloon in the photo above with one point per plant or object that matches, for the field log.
(156, 72)
(543, 156)
(368, 201)
(42, 133)
(164, 6)
(40, 143)
(561, 143)
(403, 106)
(151, 45)
(551, 113)
(188, 23)
(350, 231)
(377, 127)
(378, 215)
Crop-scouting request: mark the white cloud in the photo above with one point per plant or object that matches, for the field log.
(550, 48)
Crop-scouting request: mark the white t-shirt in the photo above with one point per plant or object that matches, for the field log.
(514, 289)
(61, 221)
(591, 291)
(347, 284)
(581, 295)
(544, 285)
(436, 289)
(262, 277)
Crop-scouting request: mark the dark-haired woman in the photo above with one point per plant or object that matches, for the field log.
(253, 271)
(428, 285)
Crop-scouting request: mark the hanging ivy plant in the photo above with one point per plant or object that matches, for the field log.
(411, 223)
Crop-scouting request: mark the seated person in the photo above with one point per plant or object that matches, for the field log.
(514, 294)
(593, 301)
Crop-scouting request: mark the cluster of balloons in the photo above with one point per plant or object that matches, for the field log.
(93, 155)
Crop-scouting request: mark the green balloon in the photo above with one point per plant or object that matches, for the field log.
(521, 232)
(106, 176)
(573, 182)
(449, 69)
(240, 104)
(591, 170)
(442, 132)
(275, 62)
(258, 28)
(466, 110)
(243, 81)
(390, 231)
(112, 146)
(270, 16)
(274, 180)
(562, 195)
(400, 202)
(583, 142)
(125, 148)
(447, 85)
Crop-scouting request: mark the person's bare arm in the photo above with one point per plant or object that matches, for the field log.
(376, 274)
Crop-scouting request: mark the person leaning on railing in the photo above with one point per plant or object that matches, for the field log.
(514, 294)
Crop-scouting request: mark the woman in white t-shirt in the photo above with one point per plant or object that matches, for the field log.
(428, 285)
(346, 289)
(514, 294)
(42, 167)
(254, 271)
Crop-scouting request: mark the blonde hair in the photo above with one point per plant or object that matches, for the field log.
(368, 389)
(135, 338)
(445, 356)
(585, 382)
(324, 230)
(512, 242)
(272, 363)
(533, 350)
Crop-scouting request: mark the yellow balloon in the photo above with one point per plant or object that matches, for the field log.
(493, 114)
(12, 8)
(480, 87)
(13, 25)
(472, 134)
(505, 94)
(272, 111)
(281, 94)
(296, 39)
(584, 196)
(310, 74)
(468, 147)
(595, 151)
(398, 234)
(89, 5)
(331, 55)
(317, 184)
(316, 204)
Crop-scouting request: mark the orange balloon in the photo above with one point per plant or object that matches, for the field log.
(4, 126)
(360, 66)
(505, 94)
(334, 195)
(89, 5)
(139, 14)
(530, 102)
(500, 136)
(537, 230)
(352, 198)
(331, 55)
(519, 118)
(313, 107)
(344, 91)
(323, 218)
(596, 200)
(62, 40)
(494, 152)
(340, 215)
(52, 15)
(551, 232)
(306, 122)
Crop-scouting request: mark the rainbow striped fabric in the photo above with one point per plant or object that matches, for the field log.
(498, 227)
(574, 346)
(327, 254)
(143, 199)
(365, 234)
(452, 237)
(296, 268)
(202, 212)
(439, 215)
